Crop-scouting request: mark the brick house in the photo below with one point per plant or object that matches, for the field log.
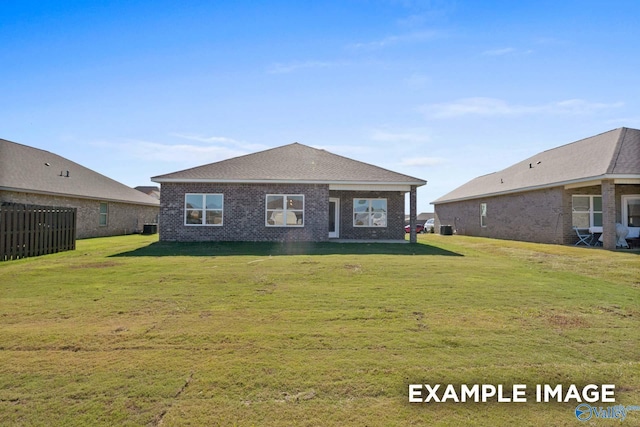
(288, 193)
(104, 207)
(591, 184)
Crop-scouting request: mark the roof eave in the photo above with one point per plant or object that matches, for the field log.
(79, 196)
(538, 187)
(281, 181)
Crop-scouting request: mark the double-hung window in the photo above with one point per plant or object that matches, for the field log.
(203, 209)
(483, 214)
(586, 211)
(369, 212)
(284, 210)
(104, 214)
(631, 210)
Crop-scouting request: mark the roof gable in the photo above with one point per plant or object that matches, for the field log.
(616, 152)
(290, 163)
(626, 160)
(31, 170)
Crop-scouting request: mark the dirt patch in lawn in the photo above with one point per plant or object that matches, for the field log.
(564, 321)
(105, 264)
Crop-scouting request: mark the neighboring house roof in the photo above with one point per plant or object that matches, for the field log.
(152, 191)
(610, 155)
(31, 170)
(291, 163)
(422, 217)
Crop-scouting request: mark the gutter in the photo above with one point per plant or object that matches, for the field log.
(280, 181)
(77, 196)
(536, 187)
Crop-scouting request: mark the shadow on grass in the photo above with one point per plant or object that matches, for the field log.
(159, 249)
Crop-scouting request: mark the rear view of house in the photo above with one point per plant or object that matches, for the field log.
(288, 193)
(105, 207)
(590, 185)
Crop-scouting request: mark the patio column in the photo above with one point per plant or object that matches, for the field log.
(608, 214)
(413, 215)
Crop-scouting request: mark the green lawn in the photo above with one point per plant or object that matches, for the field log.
(129, 331)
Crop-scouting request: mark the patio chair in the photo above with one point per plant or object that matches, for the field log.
(583, 236)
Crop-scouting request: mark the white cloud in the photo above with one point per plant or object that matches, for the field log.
(415, 136)
(207, 139)
(625, 122)
(418, 81)
(469, 106)
(423, 161)
(240, 145)
(180, 154)
(580, 106)
(414, 37)
(499, 107)
(499, 52)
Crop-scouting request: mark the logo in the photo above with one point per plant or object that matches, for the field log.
(583, 412)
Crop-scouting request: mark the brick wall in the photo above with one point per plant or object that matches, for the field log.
(395, 215)
(569, 235)
(123, 218)
(543, 216)
(596, 190)
(535, 216)
(244, 213)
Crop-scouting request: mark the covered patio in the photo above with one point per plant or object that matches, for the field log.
(609, 210)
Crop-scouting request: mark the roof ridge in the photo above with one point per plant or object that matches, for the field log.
(109, 188)
(592, 158)
(364, 163)
(229, 158)
(579, 140)
(618, 149)
(28, 146)
(292, 149)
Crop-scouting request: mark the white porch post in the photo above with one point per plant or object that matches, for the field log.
(413, 216)
(608, 214)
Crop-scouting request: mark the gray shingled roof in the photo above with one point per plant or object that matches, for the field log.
(613, 154)
(290, 163)
(31, 170)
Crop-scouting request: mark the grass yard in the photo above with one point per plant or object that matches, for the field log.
(129, 331)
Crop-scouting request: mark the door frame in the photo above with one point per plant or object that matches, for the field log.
(625, 211)
(336, 233)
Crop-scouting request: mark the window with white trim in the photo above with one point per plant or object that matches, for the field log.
(203, 209)
(284, 210)
(369, 212)
(631, 210)
(104, 214)
(586, 211)
(483, 214)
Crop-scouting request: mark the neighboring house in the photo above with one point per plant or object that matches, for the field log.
(152, 191)
(421, 219)
(592, 183)
(289, 193)
(104, 207)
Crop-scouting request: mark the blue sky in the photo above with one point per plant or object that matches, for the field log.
(440, 90)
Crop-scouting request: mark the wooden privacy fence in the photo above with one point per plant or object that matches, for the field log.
(28, 230)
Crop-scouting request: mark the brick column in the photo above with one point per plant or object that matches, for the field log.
(413, 215)
(608, 214)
